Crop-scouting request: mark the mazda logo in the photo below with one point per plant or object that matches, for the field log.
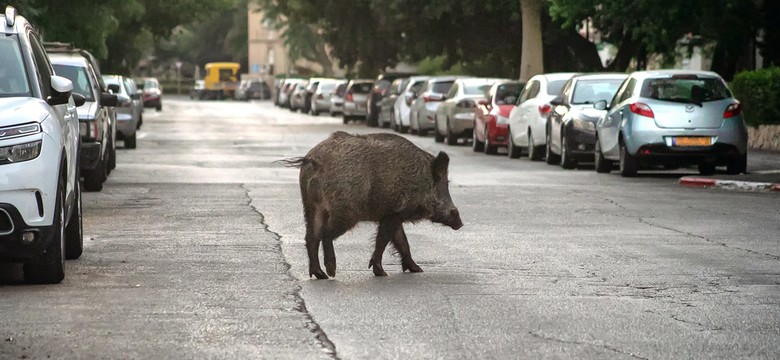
(689, 108)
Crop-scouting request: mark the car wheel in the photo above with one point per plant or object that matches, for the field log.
(629, 165)
(346, 119)
(140, 122)
(490, 149)
(437, 136)
(476, 145)
(49, 268)
(737, 166)
(566, 161)
(603, 166)
(314, 112)
(159, 107)
(130, 141)
(451, 138)
(549, 156)
(513, 151)
(533, 151)
(94, 179)
(706, 168)
(74, 232)
(371, 119)
(111, 158)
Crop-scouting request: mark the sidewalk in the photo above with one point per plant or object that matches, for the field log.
(763, 181)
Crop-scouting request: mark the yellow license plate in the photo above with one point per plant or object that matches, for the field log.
(692, 141)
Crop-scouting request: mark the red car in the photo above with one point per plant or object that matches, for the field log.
(491, 117)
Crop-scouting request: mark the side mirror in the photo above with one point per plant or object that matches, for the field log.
(61, 89)
(600, 105)
(107, 99)
(483, 102)
(114, 88)
(558, 100)
(78, 99)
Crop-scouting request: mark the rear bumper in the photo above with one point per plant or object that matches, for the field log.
(498, 134)
(125, 124)
(645, 139)
(353, 109)
(11, 246)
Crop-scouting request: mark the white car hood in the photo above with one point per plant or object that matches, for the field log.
(87, 111)
(20, 110)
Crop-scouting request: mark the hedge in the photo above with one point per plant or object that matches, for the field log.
(759, 93)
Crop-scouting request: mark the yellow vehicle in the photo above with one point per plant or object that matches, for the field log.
(221, 80)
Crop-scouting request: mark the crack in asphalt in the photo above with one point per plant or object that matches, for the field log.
(677, 318)
(603, 346)
(300, 306)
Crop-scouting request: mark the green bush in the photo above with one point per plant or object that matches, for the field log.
(759, 93)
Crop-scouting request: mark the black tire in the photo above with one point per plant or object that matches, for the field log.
(534, 153)
(451, 138)
(94, 179)
(566, 161)
(74, 231)
(513, 151)
(49, 269)
(159, 107)
(490, 149)
(707, 168)
(437, 137)
(629, 165)
(476, 145)
(549, 157)
(422, 132)
(140, 122)
(371, 119)
(130, 141)
(393, 125)
(314, 112)
(737, 166)
(603, 166)
(111, 157)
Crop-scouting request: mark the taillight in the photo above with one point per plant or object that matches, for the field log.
(544, 110)
(428, 98)
(348, 97)
(732, 110)
(641, 109)
(319, 97)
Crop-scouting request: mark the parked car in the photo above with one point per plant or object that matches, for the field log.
(673, 118)
(128, 109)
(386, 106)
(152, 92)
(491, 118)
(379, 90)
(257, 89)
(337, 98)
(288, 85)
(197, 90)
(40, 194)
(402, 107)
(311, 88)
(454, 117)
(138, 101)
(297, 96)
(356, 99)
(571, 126)
(95, 118)
(240, 92)
(423, 109)
(321, 98)
(277, 90)
(528, 120)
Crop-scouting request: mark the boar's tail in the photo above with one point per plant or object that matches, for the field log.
(296, 162)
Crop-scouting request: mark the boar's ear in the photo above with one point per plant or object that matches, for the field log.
(439, 167)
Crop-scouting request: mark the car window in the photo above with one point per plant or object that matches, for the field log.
(129, 86)
(554, 87)
(453, 91)
(441, 87)
(534, 90)
(13, 77)
(524, 95)
(361, 88)
(591, 91)
(43, 66)
(77, 75)
(341, 89)
(415, 88)
(476, 89)
(628, 91)
(507, 93)
(685, 89)
(395, 86)
(328, 86)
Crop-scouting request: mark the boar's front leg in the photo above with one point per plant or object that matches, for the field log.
(402, 245)
(383, 236)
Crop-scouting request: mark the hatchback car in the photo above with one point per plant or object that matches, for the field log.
(128, 108)
(386, 105)
(40, 195)
(320, 101)
(378, 92)
(402, 107)
(528, 121)
(571, 126)
(356, 99)
(454, 117)
(490, 119)
(152, 92)
(337, 98)
(673, 118)
(423, 108)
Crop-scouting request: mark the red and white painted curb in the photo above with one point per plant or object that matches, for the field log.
(693, 181)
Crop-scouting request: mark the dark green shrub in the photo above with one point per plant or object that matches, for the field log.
(759, 93)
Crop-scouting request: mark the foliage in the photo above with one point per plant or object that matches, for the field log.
(759, 93)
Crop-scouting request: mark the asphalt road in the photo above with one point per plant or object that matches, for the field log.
(194, 249)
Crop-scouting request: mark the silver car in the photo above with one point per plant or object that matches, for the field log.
(129, 108)
(356, 99)
(320, 100)
(454, 118)
(337, 98)
(402, 107)
(423, 109)
(672, 118)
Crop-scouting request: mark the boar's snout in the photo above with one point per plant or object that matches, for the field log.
(454, 220)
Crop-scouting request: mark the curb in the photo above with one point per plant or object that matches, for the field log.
(691, 181)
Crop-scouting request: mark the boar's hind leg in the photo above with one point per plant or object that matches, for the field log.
(312, 248)
(383, 236)
(402, 245)
(335, 227)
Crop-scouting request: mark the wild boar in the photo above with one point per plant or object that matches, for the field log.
(382, 178)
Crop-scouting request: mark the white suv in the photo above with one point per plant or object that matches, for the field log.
(40, 195)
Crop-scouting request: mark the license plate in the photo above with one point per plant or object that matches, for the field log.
(692, 141)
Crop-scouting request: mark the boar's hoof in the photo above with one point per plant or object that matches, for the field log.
(331, 270)
(319, 274)
(378, 271)
(411, 267)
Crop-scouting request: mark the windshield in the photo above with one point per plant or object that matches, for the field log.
(508, 93)
(78, 75)
(685, 89)
(13, 77)
(442, 87)
(591, 91)
(150, 84)
(554, 87)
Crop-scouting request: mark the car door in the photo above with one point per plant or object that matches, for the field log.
(557, 114)
(519, 130)
(609, 126)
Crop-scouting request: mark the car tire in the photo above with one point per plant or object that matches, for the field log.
(74, 231)
(437, 136)
(629, 165)
(50, 267)
(513, 151)
(371, 120)
(140, 122)
(549, 157)
(490, 149)
(566, 161)
(451, 138)
(94, 179)
(602, 165)
(737, 165)
(111, 157)
(159, 107)
(707, 168)
(534, 153)
(130, 141)
(346, 119)
(476, 145)
(314, 112)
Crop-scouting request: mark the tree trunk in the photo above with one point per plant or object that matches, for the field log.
(531, 59)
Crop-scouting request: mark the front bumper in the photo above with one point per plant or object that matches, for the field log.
(12, 248)
(581, 139)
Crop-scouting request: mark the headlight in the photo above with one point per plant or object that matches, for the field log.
(20, 130)
(20, 152)
(501, 120)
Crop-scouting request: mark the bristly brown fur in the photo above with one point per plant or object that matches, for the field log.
(295, 162)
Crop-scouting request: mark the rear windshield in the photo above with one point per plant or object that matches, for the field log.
(476, 89)
(13, 77)
(685, 89)
(554, 87)
(591, 91)
(327, 86)
(361, 88)
(442, 87)
(341, 89)
(77, 75)
(508, 93)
